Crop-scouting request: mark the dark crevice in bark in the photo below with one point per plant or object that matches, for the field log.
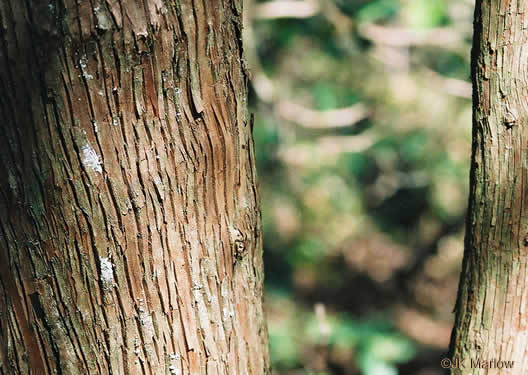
(41, 316)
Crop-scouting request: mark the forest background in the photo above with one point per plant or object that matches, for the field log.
(363, 131)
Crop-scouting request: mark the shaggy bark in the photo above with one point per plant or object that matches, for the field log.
(130, 235)
(492, 306)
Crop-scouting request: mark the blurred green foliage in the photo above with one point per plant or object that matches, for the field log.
(361, 217)
(376, 11)
(425, 13)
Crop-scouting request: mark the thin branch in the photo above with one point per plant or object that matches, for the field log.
(334, 118)
(451, 86)
(403, 37)
(286, 9)
(261, 83)
(422, 328)
(326, 148)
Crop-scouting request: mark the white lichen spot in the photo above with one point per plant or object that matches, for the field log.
(90, 159)
(145, 319)
(12, 184)
(100, 92)
(103, 22)
(83, 63)
(147, 324)
(174, 357)
(107, 272)
(227, 314)
(136, 346)
(197, 296)
(96, 128)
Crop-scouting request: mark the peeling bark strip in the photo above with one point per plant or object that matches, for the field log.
(130, 235)
(492, 306)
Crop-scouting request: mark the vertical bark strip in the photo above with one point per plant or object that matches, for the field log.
(130, 235)
(492, 306)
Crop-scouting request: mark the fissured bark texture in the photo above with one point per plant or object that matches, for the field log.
(492, 306)
(130, 233)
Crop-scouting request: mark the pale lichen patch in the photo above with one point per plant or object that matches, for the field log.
(103, 19)
(136, 346)
(174, 357)
(12, 184)
(83, 63)
(90, 159)
(145, 320)
(173, 370)
(107, 272)
(228, 314)
(173, 361)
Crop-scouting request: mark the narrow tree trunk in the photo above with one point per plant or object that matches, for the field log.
(492, 306)
(130, 235)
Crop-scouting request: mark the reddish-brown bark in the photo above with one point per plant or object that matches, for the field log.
(491, 321)
(130, 239)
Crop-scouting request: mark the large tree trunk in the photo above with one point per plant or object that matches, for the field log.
(492, 306)
(130, 235)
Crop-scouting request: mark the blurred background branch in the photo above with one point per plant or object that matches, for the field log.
(333, 118)
(286, 9)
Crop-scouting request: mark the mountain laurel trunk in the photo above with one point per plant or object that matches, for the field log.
(130, 234)
(492, 306)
